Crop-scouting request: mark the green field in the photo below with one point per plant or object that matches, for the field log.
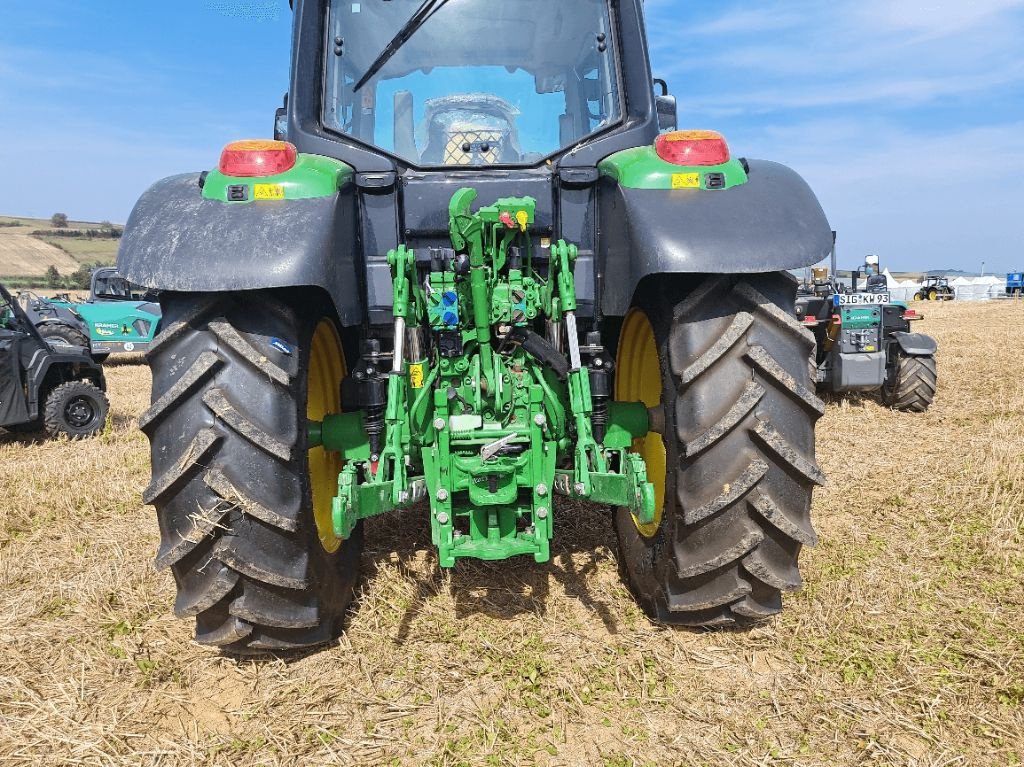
(86, 251)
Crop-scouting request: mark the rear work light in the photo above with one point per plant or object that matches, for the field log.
(257, 158)
(692, 147)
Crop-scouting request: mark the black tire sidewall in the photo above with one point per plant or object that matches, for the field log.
(333, 574)
(642, 559)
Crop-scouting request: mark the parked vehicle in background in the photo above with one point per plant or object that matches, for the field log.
(1015, 284)
(42, 386)
(56, 322)
(119, 316)
(935, 289)
(864, 341)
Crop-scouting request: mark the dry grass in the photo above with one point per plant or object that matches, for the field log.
(22, 255)
(905, 648)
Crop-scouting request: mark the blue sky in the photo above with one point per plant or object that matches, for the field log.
(906, 116)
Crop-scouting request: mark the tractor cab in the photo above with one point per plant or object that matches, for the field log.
(472, 83)
(108, 285)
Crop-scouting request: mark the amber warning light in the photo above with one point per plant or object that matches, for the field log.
(257, 158)
(692, 148)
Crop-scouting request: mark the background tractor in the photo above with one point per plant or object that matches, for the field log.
(935, 289)
(482, 272)
(59, 389)
(118, 317)
(864, 341)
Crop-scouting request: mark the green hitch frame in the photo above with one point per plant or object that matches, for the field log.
(478, 431)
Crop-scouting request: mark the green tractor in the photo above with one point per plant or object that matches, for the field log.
(120, 317)
(864, 340)
(935, 289)
(478, 273)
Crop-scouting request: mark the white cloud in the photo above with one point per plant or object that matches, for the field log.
(934, 18)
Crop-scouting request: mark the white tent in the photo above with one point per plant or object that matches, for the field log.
(977, 288)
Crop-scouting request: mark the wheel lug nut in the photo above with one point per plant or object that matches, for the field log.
(442, 495)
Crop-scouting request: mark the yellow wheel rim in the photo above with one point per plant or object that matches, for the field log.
(638, 379)
(323, 397)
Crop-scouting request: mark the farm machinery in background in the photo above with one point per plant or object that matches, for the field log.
(1015, 284)
(59, 323)
(118, 317)
(58, 388)
(405, 302)
(864, 339)
(935, 289)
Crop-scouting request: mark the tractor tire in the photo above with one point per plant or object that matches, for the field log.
(244, 507)
(63, 333)
(77, 409)
(933, 295)
(911, 387)
(919, 296)
(734, 469)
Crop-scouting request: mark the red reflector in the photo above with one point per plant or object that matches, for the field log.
(692, 147)
(910, 314)
(257, 158)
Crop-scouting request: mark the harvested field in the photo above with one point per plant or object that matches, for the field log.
(905, 648)
(22, 255)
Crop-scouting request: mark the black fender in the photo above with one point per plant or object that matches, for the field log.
(916, 344)
(176, 240)
(772, 223)
(53, 368)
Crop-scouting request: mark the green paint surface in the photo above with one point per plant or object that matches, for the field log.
(641, 168)
(313, 176)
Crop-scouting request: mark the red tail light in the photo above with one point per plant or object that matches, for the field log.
(692, 147)
(257, 158)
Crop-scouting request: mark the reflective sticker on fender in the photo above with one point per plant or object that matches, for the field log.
(416, 376)
(268, 192)
(686, 181)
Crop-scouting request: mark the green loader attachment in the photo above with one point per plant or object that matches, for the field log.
(485, 418)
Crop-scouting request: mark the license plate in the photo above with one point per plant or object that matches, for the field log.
(863, 299)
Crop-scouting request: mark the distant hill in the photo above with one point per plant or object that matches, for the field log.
(25, 256)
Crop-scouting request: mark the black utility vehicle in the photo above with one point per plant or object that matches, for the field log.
(60, 390)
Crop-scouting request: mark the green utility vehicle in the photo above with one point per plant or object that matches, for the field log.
(864, 339)
(119, 316)
(479, 273)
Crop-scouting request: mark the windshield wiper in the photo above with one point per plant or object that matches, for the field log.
(418, 19)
